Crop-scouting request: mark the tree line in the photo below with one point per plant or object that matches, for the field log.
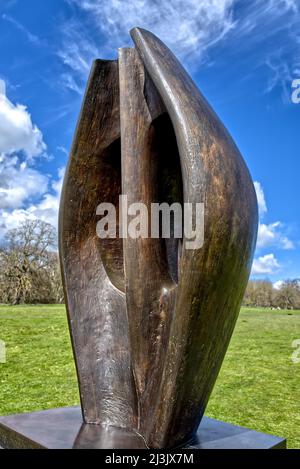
(262, 293)
(30, 272)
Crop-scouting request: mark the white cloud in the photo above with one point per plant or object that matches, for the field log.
(2, 87)
(31, 37)
(11, 219)
(70, 83)
(283, 71)
(24, 191)
(46, 209)
(265, 265)
(63, 150)
(271, 234)
(77, 53)
(262, 206)
(20, 142)
(188, 27)
(262, 20)
(277, 285)
(268, 13)
(17, 132)
(18, 182)
(288, 4)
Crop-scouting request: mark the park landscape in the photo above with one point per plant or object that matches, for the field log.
(244, 57)
(258, 386)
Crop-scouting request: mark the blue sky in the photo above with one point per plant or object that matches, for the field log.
(243, 54)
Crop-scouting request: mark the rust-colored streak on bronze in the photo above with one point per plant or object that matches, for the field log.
(151, 320)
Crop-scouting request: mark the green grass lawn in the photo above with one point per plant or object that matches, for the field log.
(258, 387)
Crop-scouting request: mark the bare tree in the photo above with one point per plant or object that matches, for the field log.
(259, 293)
(29, 264)
(288, 295)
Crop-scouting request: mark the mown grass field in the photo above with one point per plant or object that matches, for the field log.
(258, 387)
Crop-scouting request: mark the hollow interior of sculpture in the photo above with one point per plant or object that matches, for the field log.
(170, 185)
(111, 249)
(168, 189)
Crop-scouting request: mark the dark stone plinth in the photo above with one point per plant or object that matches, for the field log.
(63, 428)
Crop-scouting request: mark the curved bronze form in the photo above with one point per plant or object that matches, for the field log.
(151, 320)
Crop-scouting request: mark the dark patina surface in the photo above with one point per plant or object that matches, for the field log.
(150, 320)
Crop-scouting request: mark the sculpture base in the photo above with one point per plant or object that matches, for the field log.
(63, 429)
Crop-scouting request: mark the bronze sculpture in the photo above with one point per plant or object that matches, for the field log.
(150, 320)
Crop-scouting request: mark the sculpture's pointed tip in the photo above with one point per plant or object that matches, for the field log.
(138, 32)
(136, 29)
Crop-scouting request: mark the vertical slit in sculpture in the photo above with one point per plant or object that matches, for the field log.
(170, 186)
(112, 248)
